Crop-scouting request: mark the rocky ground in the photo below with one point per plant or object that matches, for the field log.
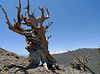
(11, 63)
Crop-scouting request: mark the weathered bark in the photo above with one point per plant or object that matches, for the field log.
(36, 41)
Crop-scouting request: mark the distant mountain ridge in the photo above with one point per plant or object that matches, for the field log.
(81, 52)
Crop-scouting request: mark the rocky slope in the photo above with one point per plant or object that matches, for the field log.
(11, 63)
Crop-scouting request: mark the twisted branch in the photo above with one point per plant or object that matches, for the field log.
(8, 22)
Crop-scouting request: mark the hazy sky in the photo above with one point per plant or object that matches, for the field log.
(76, 24)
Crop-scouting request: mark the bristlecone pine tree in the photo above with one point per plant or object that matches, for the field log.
(36, 41)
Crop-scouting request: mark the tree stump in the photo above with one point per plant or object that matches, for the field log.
(36, 41)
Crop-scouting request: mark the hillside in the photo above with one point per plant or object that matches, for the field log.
(94, 58)
(11, 63)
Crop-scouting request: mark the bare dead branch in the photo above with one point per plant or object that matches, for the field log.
(47, 26)
(42, 11)
(42, 18)
(32, 18)
(18, 15)
(82, 63)
(76, 61)
(8, 22)
(47, 13)
(10, 25)
(49, 37)
(14, 20)
(85, 60)
(34, 11)
(27, 8)
(18, 24)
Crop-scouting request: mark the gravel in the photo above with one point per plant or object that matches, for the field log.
(11, 63)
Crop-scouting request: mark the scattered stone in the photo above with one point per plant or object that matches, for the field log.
(10, 63)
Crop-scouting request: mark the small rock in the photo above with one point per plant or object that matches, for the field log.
(6, 68)
(17, 56)
(30, 71)
(19, 72)
(16, 69)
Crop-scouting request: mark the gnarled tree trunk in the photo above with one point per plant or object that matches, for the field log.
(36, 41)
